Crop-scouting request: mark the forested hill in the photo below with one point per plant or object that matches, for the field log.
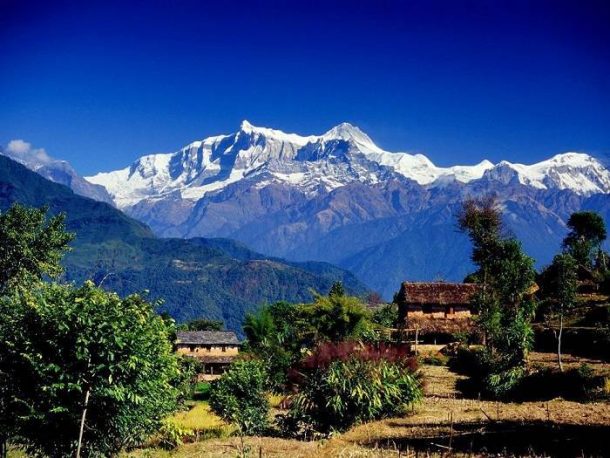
(214, 278)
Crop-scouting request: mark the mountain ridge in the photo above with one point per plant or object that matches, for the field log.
(213, 278)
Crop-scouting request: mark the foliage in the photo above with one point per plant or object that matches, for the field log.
(337, 289)
(279, 333)
(171, 435)
(58, 343)
(31, 244)
(274, 337)
(559, 285)
(239, 397)
(577, 383)
(386, 316)
(341, 384)
(587, 232)
(335, 318)
(503, 302)
(201, 324)
(558, 282)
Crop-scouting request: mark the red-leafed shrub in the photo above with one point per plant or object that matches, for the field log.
(340, 384)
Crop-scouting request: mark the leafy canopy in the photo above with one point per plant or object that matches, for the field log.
(59, 342)
(587, 232)
(239, 397)
(202, 325)
(31, 244)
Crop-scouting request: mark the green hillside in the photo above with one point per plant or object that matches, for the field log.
(213, 278)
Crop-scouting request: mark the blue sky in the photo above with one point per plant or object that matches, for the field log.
(101, 83)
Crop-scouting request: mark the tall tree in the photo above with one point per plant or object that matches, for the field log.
(31, 244)
(587, 232)
(559, 283)
(503, 303)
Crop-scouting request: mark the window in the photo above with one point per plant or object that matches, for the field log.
(224, 349)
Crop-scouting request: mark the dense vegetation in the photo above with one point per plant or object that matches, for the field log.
(330, 353)
(341, 384)
(82, 371)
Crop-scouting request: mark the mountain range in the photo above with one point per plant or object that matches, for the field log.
(196, 278)
(338, 197)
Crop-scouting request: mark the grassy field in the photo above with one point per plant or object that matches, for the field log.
(444, 419)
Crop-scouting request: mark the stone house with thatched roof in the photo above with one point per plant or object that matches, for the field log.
(215, 350)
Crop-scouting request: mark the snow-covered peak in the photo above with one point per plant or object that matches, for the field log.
(247, 128)
(349, 132)
(578, 172)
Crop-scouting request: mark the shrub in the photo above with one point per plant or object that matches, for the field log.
(171, 435)
(434, 360)
(489, 374)
(342, 384)
(239, 397)
(578, 384)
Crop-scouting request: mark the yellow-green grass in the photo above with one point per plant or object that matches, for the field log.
(200, 418)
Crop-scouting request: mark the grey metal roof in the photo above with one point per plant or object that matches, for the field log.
(207, 338)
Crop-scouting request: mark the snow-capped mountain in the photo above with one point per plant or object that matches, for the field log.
(37, 160)
(338, 197)
(321, 163)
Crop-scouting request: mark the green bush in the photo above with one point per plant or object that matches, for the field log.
(434, 360)
(343, 384)
(489, 374)
(171, 435)
(239, 397)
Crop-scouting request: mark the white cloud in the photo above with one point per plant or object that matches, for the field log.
(22, 151)
(18, 146)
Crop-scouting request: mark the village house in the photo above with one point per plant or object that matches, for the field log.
(214, 349)
(435, 310)
(439, 300)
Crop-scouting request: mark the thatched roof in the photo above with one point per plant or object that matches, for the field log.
(437, 293)
(207, 338)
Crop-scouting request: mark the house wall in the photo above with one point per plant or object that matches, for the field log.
(447, 313)
(207, 350)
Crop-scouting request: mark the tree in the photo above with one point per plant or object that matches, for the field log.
(31, 244)
(587, 232)
(337, 289)
(202, 325)
(83, 370)
(239, 397)
(386, 316)
(559, 283)
(505, 308)
(335, 318)
(273, 336)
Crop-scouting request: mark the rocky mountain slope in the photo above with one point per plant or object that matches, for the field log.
(58, 171)
(213, 278)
